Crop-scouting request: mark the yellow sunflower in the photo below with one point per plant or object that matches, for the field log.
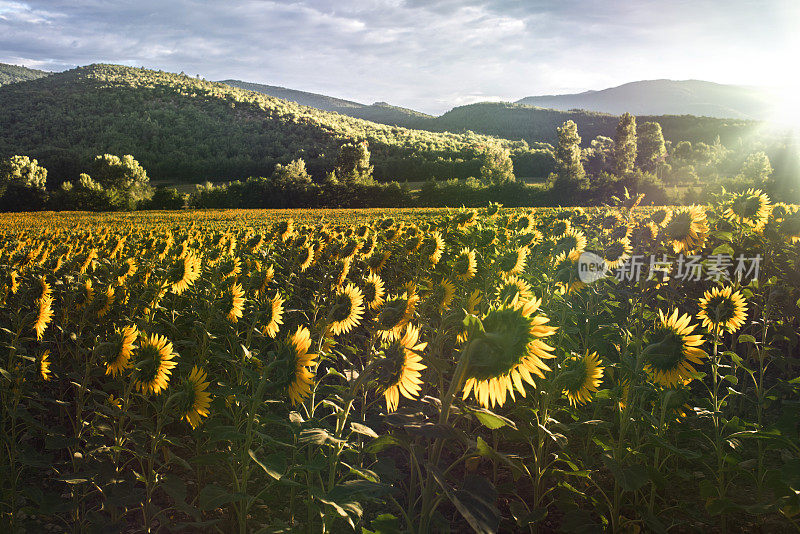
(617, 253)
(566, 274)
(122, 344)
(465, 266)
(395, 314)
(432, 248)
(673, 350)
(687, 231)
(512, 261)
(373, 291)
(127, 270)
(573, 239)
(512, 289)
(789, 227)
(473, 301)
(155, 361)
(377, 261)
(751, 208)
(184, 273)
(722, 309)
(232, 302)
(582, 375)
(43, 316)
(44, 366)
(195, 400)
(402, 365)
(85, 295)
(273, 318)
(104, 301)
(346, 310)
(510, 349)
(306, 257)
(299, 377)
(441, 294)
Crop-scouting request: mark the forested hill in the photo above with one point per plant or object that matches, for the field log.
(187, 129)
(534, 124)
(378, 112)
(16, 73)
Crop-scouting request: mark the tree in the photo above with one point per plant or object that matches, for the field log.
(756, 169)
(625, 145)
(570, 173)
(123, 178)
(652, 150)
(22, 184)
(599, 155)
(295, 171)
(496, 165)
(352, 163)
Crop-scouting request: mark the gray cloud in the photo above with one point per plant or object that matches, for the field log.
(428, 55)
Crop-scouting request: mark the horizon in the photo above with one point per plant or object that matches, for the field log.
(426, 56)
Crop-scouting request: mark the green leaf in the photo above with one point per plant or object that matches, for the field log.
(212, 497)
(747, 338)
(723, 249)
(318, 436)
(363, 430)
(385, 524)
(630, 477)
(383, 442)
(475, 501)
(273, 465)
(523, 517)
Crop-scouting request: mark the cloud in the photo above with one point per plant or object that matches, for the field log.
(424, 54)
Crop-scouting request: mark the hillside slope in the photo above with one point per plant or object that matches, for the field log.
(186, 129)
(378, 112)
(16, 73)
(665, 97)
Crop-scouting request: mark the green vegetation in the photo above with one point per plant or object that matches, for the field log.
(16, 73)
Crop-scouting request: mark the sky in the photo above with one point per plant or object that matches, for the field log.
(429, 55)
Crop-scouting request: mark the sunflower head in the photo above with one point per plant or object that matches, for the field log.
(465, 265)
(121, 348)
(399, 372)
(751, 207)
(232, 302)
(44, 366)
(513, 261)
(373, 291)
(687, 230)
(154, 363)
(395, 314)
(273, 316)
(673, 351)
(722, 309)
(294, 373)
(194, 400)
(346, 309)
(441, 294)
(513, 289)
(580, 377)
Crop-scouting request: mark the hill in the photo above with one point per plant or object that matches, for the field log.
(666, 97)
(377, 112)
(186, 129)
(16, 73)
(535, 124)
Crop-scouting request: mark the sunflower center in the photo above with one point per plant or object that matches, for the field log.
(575, 374)
(720, 307)
(342, 307)
(506, 344)
(680, 226)
(666, 352)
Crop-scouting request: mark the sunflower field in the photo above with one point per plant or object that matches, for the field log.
(402, 371)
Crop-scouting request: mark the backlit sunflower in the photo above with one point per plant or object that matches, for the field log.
(346, 310)
(294, 352)
(473, 301)
(229, 267)
(195, 400)
(306, 257)
(441, 294)
(341, 270)
(510, 349)
(273, 316)
(573, 239)
(512, 261)
(617, 253)
(512, 289)
(373, 291)
(565, 267)
(184, 273)
(154, 364)
(232, 302)
(377, 261)
(432, 248)
(122, 347)
(402, 363)
(465, 266)
(395, 314)
(581, 377)
(789, 227)
(126, 270)
(44, 366)
(44, 315)
(722, 309)
(261, 278)
(673, 351)
(284, 229)
(751, 207)
(105, 299)
(687, 230)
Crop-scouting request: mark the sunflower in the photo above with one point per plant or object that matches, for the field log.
(559, 228)
(44, 366)
(582, 375)
(789, 227)
(341, 270)
(125, 271)
(471, 308)
(510, 349)
(284, 229)
(261, 278)
(299, 378)
(402, 363)
(573, 239)
(89, 261)
(232, 302)
(465, 265)
(513, 261)
(432, 248)
(661, 217)
(395, 315)
(687, 230)
(104, 301)
(229, 267)
(751, 208)
(377, 261)
(346, 310)
(123, 346)
(566, 268)
(441, 294)
(154, 365)
(617, 253)
(722, 309)
(673, 351)
(373, 291)
(195, 400)
(273, 318)
(306, 257)
(512, 288)
(44, 315)
(184, 273)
